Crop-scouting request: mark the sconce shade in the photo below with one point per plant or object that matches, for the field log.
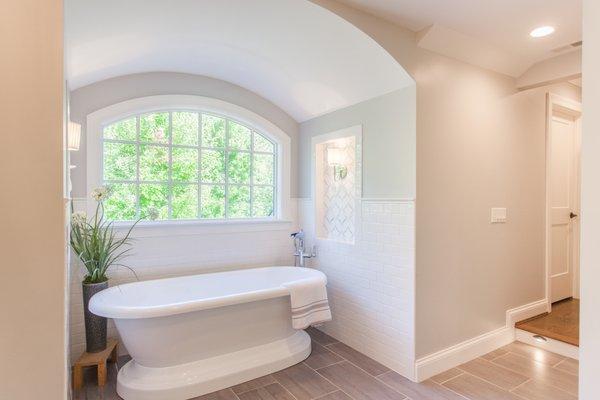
(335, 156)
(73, 135)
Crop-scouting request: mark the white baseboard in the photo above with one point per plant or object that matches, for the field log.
(443, 360)
(527, 311)
(555, 346)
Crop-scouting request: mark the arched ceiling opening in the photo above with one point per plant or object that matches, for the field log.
(301, 57)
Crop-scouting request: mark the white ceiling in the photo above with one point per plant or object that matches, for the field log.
(503, 24)
(298, 55)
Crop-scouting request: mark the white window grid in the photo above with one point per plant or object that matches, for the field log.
(170, 182)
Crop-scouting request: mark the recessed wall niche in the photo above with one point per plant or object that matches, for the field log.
(337, 166)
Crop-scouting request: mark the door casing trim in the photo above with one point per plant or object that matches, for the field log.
(555, 102)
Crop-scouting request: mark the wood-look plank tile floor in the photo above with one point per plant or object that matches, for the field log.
(335, 371)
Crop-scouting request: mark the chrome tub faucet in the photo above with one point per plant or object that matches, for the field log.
(300, 253)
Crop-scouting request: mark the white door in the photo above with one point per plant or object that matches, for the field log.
(564, 206)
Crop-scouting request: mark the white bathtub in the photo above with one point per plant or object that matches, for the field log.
(193, 335)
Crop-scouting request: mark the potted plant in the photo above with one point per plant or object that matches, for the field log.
(98, 248)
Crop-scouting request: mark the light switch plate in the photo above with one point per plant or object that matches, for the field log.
(498, 215)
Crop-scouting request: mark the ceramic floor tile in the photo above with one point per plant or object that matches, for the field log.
(338, 372)
(303, 382)
(321, 357)
(540, 371)
(428, 390)
(495, 354)
(494, 373)
(569, 365)
(534, 353)
(320, 337)
(253, 384)
(271, 392)
(225, 394)
(358, 384)
(536, 390)
(447, 375)
(474, 388)
(360, 360)
(339, 395)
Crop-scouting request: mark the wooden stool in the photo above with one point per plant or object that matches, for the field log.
(99, 359)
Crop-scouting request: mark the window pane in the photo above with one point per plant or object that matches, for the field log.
(185, 128)
(120, 161)
(155, 127)
(212, 165)
(263, 169)
(261, 143)
(184, 202)
(122, 203)
(213, 131)
(239, 136)
(262, 203)
(154, 200)
(154, 163)
(122, 130)
(170, 168)
(238, 202)
(238, 167)
(212, 201)
(185, 164)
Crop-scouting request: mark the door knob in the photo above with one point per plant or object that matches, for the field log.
(572, 215)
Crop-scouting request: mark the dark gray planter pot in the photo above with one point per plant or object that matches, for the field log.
(95, 326)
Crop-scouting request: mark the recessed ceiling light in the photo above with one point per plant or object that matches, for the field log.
(542, 31)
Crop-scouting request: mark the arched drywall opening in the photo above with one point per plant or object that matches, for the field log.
(294, 53)
(311, 73)
(289, 57)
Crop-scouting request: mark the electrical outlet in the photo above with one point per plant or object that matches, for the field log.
(498, 215)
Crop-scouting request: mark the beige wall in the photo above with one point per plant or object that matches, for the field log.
(88, 99)
(559, 68)
(388, 147)
(490, 152)
(32, 287)
(480, 144)
(590, 206)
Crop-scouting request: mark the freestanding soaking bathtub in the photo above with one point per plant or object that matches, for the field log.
(193, 335)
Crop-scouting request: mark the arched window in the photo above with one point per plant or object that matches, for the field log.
(180, 164)
(193, 159)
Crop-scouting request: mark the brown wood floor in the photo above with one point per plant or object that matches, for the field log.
(335, 371)
(560, 324)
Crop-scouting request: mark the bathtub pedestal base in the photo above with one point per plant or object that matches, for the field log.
(186, 381)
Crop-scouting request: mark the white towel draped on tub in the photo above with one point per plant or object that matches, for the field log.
(309, 302)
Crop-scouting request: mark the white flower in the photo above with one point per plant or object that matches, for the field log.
(153, 213)
(79, 218)
(100, 193)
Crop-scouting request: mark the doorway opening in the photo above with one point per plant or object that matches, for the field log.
(563, 149)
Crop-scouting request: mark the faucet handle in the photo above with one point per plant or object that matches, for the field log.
(299, 234)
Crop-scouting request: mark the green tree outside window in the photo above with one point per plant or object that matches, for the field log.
(178, 165)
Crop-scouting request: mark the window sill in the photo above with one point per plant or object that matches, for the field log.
(201, 227)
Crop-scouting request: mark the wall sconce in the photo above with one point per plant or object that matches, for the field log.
(73, 136)
(335, 159)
